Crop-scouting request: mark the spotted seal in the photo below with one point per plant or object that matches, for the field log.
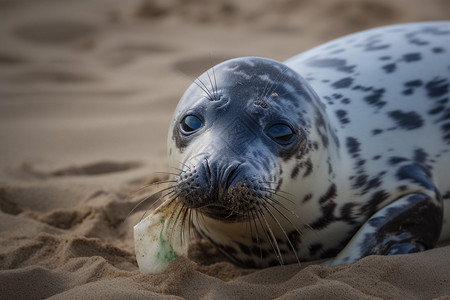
(342, 151)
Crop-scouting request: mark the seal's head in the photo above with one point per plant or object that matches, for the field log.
(232, 133)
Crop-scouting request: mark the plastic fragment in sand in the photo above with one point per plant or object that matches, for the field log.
(158, 241)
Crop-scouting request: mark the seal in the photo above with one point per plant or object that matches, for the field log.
(342, 151)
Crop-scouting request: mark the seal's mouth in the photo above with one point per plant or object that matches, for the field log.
(221, 213)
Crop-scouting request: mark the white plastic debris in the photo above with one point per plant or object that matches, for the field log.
(159, 241)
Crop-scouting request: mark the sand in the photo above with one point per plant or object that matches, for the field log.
(87, 90)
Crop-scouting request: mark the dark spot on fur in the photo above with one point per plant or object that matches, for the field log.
(413, 39)
(342, 116)
(411, 85)
(280, 182)
(342, 83)
(362, 88)
(360, 163)
(258, 251)
(330, 194)
(436, 110)
(332, 63)
(371, 206)
(396, 160)
(435, 31)
(345, 101)
(375, 98)
(308, 168)
(420, 156)
(377, 131)
(414, 83)
(347, 213)
(408, 92)
(406, 120)
(437, 87)
(294, 238)
(244, 248)
(446, 129)
(337, 96)
(326, 217)
(437, 50)
(389, 68)
(373, 183)
(402, 188)
(307, 197)
(412, 57)
(374, 45)
(359, 181)
(353, 146)
(314, 248)
(295, 170)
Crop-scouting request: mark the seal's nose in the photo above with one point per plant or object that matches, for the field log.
(218, 176)
(209, 181)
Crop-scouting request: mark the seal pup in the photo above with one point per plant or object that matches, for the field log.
(342, 151)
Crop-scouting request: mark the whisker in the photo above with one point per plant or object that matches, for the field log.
(283, 230)
(167, 202)
(205, 89)
(281, 205)
(166, 173)
(153, 184)
(212, 86)
(249, 224)
(178, 169)
(272, 191)
(295, 90)
(277, 79)
(270, 236)
(147, 198)
(184, 165)
(174, 222)
(264, 93)
(215, 81)
(196, 155)
(258, 242)
(190, 221)
(183, 212)
(280, 79)
(148, 186)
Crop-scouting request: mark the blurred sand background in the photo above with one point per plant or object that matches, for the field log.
(87, 91)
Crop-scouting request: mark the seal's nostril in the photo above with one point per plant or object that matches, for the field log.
(208, 169)
(230, 174)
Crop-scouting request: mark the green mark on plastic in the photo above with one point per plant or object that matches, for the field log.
(166, 253)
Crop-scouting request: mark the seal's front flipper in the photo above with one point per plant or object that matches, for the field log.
(410, 224)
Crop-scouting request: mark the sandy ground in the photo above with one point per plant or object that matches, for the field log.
(87, 90)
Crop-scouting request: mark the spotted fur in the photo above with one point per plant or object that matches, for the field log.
(368, 172)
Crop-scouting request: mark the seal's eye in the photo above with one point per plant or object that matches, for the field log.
(191, 123)
(281, 133)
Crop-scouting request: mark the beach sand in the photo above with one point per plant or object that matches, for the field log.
(87, 91)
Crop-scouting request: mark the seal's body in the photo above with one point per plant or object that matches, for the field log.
(343, 150)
